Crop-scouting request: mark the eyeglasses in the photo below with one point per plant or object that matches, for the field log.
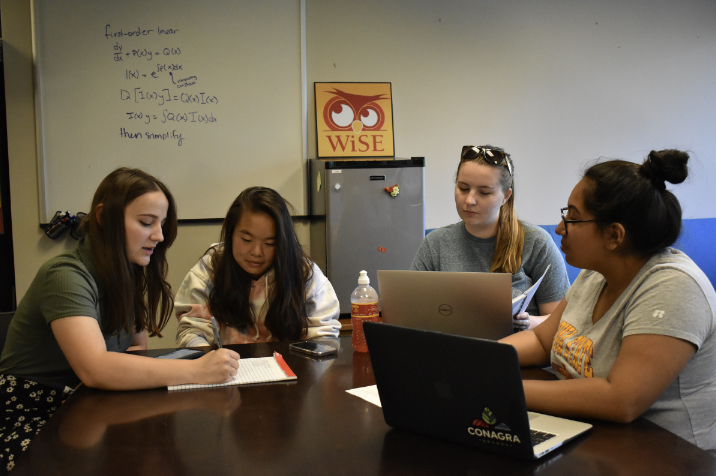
(564, 211)
(491, 156)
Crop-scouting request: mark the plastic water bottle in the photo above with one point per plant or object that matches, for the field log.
(364, 307)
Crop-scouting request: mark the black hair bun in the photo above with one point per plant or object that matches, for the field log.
(668, 165)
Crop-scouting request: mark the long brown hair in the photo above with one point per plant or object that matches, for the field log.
(510, 239)
(132, 290)
(229, 300)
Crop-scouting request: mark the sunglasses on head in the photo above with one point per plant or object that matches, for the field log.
(491, 156)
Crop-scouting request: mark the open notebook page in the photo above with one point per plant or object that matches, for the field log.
(251, 371)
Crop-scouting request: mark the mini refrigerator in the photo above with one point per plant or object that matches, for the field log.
(365, 214)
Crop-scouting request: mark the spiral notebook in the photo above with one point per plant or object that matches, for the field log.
(251, 371)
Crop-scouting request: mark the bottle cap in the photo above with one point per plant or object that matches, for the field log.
(363, 278)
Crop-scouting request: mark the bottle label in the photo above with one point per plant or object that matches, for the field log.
(364, 311)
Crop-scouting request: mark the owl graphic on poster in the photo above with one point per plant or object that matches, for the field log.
(354, 112)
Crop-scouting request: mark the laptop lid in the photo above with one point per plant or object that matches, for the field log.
(460, 389)
(467, 304)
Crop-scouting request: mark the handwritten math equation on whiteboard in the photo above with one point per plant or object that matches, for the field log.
(162, 98)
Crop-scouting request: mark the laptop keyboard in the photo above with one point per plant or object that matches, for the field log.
(540, 437)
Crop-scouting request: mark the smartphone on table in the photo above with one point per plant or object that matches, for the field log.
(182, 354)
(312, 348)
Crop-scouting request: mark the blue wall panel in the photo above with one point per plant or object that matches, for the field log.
(572, 272)
(695, 241)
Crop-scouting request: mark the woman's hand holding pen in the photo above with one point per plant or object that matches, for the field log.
(217, 366)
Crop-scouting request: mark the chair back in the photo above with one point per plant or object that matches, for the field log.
(5, 319)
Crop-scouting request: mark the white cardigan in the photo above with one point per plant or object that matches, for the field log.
(321, 306)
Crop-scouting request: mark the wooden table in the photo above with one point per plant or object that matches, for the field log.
(311, 426)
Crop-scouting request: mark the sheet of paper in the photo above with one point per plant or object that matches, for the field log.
(517, 304)
(369, 394)
(516, 307)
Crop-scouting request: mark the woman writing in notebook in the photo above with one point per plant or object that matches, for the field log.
(635, 334)
(490, 238)
(85, 308)
(258, 282)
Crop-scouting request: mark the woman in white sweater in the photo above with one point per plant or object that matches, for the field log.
(258, 282)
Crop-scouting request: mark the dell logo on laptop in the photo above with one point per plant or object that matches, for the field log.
(445, 309)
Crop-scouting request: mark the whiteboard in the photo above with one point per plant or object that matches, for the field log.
(205, 95)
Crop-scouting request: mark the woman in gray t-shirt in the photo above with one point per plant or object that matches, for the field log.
(490, 238)
(635, 335)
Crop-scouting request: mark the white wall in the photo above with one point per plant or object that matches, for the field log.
(555, 83)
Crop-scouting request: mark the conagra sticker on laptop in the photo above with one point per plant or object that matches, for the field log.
(490, 431)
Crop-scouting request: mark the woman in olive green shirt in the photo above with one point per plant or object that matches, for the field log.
(84, 309)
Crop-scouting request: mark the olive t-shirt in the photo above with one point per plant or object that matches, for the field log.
(67, 285)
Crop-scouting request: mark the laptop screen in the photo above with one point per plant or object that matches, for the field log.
(468, 304)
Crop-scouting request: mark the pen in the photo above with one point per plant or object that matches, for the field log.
(216, 332)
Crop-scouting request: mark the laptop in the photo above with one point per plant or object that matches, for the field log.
(467, 304)
(460, 389)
